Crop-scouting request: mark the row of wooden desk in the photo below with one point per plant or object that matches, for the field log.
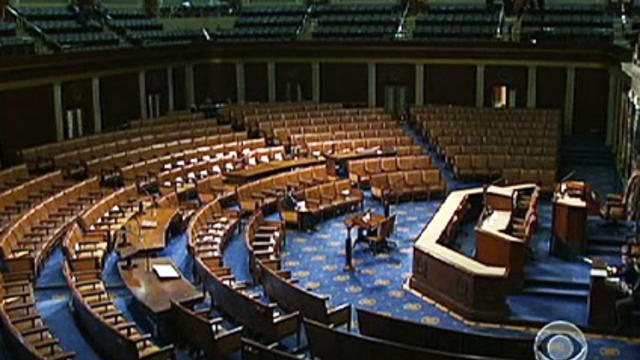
(252, 173)
(142, 273)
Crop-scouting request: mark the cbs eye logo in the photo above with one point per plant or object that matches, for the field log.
(560, 340)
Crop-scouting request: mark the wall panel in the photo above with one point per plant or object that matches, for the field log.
(179, 86)
(120, 100)
(156, 83)
(215, 81)
(78, 94)
(256, 82)
(27, 120)
(515, 77)
(290, 77)
(590, 103)
(395, 75)
(450, 84)
(550, 87)
(346, 83)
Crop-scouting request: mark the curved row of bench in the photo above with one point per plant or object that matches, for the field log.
(23, 329)
(283, 134)
(206, 241)
(34, 156)
(30, 238)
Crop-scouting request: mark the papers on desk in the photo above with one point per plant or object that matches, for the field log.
(165, 271)
(264, 159)
(252, 161)
(360, 149)
(301, 205)
(316, 153)
(279, 157)
(149, 224)
(345, 192)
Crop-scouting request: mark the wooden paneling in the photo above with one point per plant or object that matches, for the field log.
(590, 103)
(78, 94)
(216, 82)
(514, 77)
(346, 83)
(290, 76)
(179, 89)
(256, 82)
(156, 83)
(395, 75)
(450, 84)
(120, 100)
(550, 87)
(27, 120)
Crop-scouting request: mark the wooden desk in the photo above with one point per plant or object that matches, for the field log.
(501, 197)
(362, 225)
(153, 294)
(258, 171)
(602, 298)
(340, 158)
(149, 238)
(570, 221)
(464, 284)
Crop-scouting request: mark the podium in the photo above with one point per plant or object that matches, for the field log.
(602, 299)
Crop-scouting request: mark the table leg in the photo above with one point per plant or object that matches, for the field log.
(348, 251)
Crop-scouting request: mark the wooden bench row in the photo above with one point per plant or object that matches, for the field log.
(290, 295)
(89, 240)
(330, 198)
(23, 329)
(225, 152)
(108, 328)
(267, 191)
(252, 122)
(484, 166)
(273, 128)
(173, 148)
(15, 201)
(206, 242)
(42, 156)
(183, 116)
(301, 139)
(312, 114)
(30, 238)
(13, 176)
(361, 170)
(347, 145)
(149, 144)
(264, 240)
(408, 184)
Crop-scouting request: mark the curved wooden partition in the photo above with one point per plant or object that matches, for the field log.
(328, 343)
(465, 285)
(279, 286)
(385, 327)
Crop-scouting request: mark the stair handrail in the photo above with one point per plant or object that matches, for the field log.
(402, 18)
(26, 24)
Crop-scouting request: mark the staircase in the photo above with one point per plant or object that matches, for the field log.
(549, 286)
(306, 32)
(575, 152)
(408, 25)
